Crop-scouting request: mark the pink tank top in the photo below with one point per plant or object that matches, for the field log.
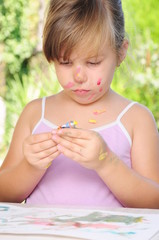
(68, 183)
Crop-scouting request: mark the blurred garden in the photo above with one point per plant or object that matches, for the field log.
(25, 74)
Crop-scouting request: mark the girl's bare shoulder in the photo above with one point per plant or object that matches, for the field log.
(33, 110)
(32, 113)
(137, 113)
(34, 105)
(140, 122)
(141, 114)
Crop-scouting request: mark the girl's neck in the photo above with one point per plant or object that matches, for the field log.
(67, 109)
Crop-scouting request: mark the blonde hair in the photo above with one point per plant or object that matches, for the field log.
(83, 24)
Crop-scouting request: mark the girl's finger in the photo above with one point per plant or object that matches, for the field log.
(44, 154)
(78, 141)
(43, 146)
(37, 138)
(46, 162)
(50, 158)
(74, 133)
(71, 145)
(77, 157)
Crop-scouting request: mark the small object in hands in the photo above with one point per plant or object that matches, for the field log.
(92, 121)
(70, 124)
(99, 111)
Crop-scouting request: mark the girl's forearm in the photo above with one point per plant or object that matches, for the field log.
(17, 182)
(129, 187)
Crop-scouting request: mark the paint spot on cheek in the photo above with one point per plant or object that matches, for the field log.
(99, 81)
(91, 96)
(101, 89)
(69, 85)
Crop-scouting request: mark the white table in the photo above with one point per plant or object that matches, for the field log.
(19, 208)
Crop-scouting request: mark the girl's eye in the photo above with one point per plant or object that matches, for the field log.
(94, 63)
(65, 62)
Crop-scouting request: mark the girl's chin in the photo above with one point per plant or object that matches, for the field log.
(83, 98)
(86, 101)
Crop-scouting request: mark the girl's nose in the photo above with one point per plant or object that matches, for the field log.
(80, 75)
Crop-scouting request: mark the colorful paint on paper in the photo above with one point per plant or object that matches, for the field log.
(77, 223)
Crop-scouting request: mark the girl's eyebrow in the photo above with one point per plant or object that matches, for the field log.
(101, 56)
(96, 57)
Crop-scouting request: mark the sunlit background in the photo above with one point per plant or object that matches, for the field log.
(25, 74)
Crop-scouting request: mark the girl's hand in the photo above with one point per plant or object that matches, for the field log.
(86, 147)
(40, 150)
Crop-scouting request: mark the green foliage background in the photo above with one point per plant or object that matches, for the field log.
(28, 76)
(138, 77)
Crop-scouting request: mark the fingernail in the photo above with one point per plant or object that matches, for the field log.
(54, 131)
(60, 131)
(54, 137)
(59, 148)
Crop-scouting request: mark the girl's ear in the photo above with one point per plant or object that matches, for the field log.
(123, 51)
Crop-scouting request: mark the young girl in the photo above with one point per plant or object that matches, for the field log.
(114, 162)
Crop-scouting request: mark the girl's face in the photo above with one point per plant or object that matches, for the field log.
(86, 79)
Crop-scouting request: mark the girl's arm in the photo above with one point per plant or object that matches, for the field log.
(139, 185)
(27, 158)
(136, 187)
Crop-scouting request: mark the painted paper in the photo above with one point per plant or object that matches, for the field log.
(79, 223)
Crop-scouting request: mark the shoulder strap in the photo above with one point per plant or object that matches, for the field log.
(125, 110)
(43, 107)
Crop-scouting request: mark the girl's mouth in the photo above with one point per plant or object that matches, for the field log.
(81, 92)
